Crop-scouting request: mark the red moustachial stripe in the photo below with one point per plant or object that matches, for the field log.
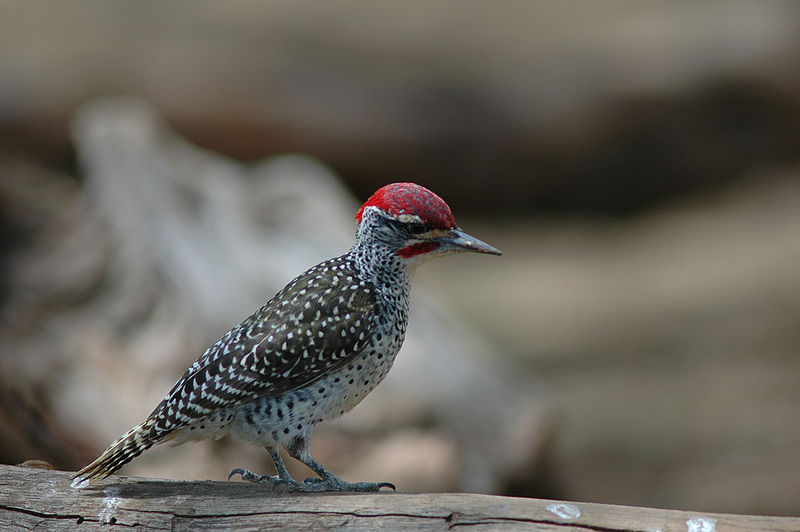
(417, 249)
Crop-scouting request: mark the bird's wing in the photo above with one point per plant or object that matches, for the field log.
(320, 322)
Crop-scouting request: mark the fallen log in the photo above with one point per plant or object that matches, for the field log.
(43, 499)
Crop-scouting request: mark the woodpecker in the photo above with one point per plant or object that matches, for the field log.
(312, 352)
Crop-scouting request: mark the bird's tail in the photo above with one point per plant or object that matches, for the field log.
(123, 450)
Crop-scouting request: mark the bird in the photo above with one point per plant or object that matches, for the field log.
(311, 353)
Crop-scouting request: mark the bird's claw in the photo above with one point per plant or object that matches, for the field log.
(249, 476)
(361, 487)
(238, 471)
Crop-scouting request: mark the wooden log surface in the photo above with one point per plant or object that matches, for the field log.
(43, 499)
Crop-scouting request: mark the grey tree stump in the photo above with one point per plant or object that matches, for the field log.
(43, 500)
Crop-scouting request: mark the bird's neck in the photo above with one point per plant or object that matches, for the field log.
(375, 255)
(380, 265)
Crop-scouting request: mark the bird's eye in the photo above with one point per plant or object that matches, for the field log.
(416, 228)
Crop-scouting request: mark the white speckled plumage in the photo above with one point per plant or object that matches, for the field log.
(311, 353)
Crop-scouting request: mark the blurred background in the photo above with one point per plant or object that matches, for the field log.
(637, 162)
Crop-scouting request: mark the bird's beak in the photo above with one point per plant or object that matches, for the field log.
(458, 240)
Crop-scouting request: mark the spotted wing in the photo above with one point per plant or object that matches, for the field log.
(320, 322)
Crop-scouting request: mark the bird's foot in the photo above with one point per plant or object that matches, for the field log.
(311, 485)
(336, 484)
(249, 476)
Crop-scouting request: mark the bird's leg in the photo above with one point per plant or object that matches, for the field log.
(328, 481)
(283, 476)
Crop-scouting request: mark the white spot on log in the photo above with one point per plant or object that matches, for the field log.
(701, 524)
(564, 511)
(110, 504)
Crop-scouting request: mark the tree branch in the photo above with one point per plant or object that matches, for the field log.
(32, 498)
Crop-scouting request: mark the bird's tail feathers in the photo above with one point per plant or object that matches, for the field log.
(123, 450)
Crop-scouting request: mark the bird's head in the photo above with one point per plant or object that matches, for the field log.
(415, 223)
